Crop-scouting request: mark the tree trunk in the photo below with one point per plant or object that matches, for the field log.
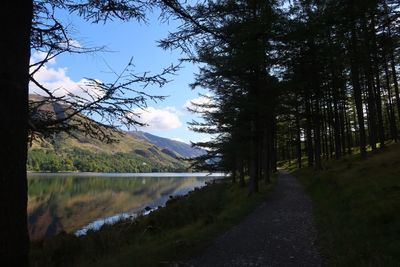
(298, 136)
(330, 130)
(325, 139)
(274, 145)
(309, 140)
(368, 73)
(356, 130)
(242, 182)
(349, 133)
(343, 128)
(317, 135)
(253, 163)
(355, 79)
(14, 79)
(336, 125)
(266, 163)
(234, 170)
(392, 116)
(381, 128)
(396, 84)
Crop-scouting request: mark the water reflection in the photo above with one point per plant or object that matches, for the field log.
(70, 202)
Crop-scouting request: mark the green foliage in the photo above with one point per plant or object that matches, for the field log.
(77, 159)
(171, 234)
(357, 208)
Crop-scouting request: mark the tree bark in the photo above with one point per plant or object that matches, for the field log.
(14, 79)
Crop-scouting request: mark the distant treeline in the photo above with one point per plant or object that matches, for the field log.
(86, 161)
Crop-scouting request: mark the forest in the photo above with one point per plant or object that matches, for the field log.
(88, 161)
(306, 81)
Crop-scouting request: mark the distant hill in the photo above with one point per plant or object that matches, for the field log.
(130, 154)
(134, 152)
(183, 149)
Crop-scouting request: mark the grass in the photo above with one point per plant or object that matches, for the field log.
(168, 235)
(357, 208)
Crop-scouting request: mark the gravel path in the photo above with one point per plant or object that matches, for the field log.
(278, 233)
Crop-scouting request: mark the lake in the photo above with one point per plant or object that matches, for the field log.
(77, 202)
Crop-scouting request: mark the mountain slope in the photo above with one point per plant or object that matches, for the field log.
(183, 149)
(130, 154)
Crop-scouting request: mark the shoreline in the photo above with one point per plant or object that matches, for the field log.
(131, 174)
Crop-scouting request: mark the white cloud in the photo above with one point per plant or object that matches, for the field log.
(39, 56)
(178, 139)
(192, 104)
(204, 139)
(57, 80)
(74, 43)
(174, 110)
(158, 119)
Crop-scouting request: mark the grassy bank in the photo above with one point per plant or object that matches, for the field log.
(171, 234)
(357, 208)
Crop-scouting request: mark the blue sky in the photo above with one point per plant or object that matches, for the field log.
(123, 41)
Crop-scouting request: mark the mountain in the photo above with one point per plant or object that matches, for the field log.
(183, 149)
(130, 154)
(134, 151)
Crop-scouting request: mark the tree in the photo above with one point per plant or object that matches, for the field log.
(25, 28)
(233, 39)
(14, 113)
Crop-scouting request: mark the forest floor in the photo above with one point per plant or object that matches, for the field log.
(280, 232)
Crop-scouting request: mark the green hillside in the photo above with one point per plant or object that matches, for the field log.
(130, 154)
(357, 208)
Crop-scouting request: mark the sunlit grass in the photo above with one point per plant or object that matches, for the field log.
(357, 208)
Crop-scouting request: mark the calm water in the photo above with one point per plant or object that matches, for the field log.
(78, 202)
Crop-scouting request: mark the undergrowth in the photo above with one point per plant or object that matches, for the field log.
(357, 208)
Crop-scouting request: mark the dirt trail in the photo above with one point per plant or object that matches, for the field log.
(278, 233)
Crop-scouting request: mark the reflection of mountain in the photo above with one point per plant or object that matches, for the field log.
(46, 222)
(68, 203)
